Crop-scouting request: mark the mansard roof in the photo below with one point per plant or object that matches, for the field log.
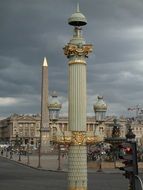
(24, 117)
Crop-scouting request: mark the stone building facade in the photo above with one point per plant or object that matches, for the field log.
(27, 127)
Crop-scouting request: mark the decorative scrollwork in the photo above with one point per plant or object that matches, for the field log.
(94, 140)
(65, 140)
(78, 138)
(78, 50)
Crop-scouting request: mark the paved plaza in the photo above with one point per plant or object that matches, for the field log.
(20, 177)
(48, 162)
(51, 162)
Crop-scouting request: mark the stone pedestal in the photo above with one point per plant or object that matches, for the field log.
(45, 142)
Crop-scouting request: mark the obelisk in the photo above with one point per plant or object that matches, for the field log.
(44, 136)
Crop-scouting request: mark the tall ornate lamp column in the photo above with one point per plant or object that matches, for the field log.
(54, 109)
(77, 51)
(100, 109)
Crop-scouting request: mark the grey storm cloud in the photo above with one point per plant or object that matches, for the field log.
(33, 29)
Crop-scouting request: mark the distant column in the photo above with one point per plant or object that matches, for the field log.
(44, 135)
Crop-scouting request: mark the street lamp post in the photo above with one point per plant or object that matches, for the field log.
(100, 109)
(100, 158)
(39, 150)
(54, 109)
(77, 137)
(19, 143)
(28, 160)
(59, 157)
(11, 151)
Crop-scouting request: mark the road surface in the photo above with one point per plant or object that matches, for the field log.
(14, 176)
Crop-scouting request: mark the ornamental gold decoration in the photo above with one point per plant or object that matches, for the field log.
(79, 50)
(65, 140)
(93, 139)
(77, 61)
(90, 140)
(78, 138)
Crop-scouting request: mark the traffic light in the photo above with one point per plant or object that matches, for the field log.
(129, 159)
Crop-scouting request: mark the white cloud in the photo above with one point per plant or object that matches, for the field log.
(8, 101)
(30, 32)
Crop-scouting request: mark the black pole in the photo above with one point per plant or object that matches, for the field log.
(28, 160)
(39, 149)
(39, 156)
(135, 163)
(130, 138)
(59, 157)
(134, 144)
(19, 159)
(114, 158)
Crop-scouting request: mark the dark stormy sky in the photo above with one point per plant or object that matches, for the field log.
(32, 29)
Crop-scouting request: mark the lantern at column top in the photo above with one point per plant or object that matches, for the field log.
(54, 107)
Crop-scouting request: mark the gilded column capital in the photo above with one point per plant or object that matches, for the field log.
(77, 50)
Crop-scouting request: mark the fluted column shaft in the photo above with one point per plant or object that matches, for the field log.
(77, 97)
(77, 163)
